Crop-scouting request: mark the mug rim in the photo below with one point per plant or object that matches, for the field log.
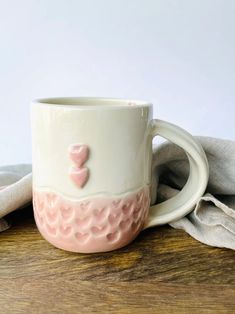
(91, 102)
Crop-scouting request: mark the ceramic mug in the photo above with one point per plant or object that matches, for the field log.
(92, 172)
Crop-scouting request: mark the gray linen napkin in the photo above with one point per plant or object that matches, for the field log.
(211, 222)
(15, 190)
(213, 219)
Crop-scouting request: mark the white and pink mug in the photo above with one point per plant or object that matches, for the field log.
(92, 172)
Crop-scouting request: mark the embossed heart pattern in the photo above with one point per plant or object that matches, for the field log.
(96, 224)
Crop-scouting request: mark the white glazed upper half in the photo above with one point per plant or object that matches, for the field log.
(115, 131)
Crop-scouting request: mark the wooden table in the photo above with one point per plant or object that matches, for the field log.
(162, 271)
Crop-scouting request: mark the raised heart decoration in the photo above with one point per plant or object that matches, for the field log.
(78, 154)
(79, 176)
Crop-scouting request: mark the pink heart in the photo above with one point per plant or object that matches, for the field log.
(79, 176)
(99, 214)
(66, 212)
(114, 218)
(83, 222)
(65, 229)
(124, 224)
(82, 237)
(78, 154)
(99, 230)
(112, 237)
(51, 215)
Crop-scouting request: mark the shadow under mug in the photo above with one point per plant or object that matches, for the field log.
(92, 172)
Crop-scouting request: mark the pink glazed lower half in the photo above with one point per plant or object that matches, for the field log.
(96, 224)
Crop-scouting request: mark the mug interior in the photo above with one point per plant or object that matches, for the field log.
(92, 102)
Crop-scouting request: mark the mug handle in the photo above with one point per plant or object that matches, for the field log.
(181, 204)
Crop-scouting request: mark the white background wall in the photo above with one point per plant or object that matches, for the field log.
(178, 54)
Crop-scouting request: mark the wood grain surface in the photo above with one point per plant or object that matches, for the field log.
(162, 271)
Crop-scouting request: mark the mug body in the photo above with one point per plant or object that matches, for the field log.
(91, 171)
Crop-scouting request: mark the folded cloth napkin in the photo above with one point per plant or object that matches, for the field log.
(213, 219)
(15, 190)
